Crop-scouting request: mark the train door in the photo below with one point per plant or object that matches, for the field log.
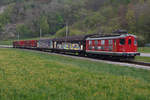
(51, 44)
(55, 44)
(102, 45)
(122, 45)
(96, 45)
(106, 45)
(130, 44)
(115, 46)
(110, 43)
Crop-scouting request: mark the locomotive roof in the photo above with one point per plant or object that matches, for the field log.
(110, 36)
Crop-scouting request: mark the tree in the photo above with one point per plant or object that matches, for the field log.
(23, 30)
(1, 27)
(118, 2)
(94, 4)
(122, 16)
(131, 20)
(44, 26)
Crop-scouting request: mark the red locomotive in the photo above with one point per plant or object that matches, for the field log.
(114, 45)
(120, 45)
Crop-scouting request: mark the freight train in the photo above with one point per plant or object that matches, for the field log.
(114, 46)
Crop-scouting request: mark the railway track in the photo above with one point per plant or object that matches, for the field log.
(136, 64)
(6, 46)
(139, 63)
(132, 63)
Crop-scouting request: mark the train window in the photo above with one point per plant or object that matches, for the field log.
(90, 42)
(103, 42)
(122, 41)
(129, 41)
(110, 42)
(96, 42)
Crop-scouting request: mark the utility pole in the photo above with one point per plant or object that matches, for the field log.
(67, 30)
(18, 36)
(40, 33)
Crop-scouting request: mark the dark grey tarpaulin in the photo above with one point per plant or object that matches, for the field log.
(83, 37)
(45, 43)
(70, 38)
(78, 38)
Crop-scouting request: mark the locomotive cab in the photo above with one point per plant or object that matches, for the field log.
(127, 45)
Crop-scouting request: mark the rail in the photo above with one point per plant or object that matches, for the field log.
(139, 63)
(6, 46)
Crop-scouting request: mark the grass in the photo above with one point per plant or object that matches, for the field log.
(6, 42)
(144, 49)
(145, 59)
(35, 76)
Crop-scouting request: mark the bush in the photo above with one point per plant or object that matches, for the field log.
(23, 30)
(62, 32)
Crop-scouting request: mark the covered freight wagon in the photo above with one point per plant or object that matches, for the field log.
(45, 44)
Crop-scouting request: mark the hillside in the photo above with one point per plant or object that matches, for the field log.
(29, 17)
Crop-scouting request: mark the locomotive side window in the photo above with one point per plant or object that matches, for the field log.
(110, 42)
(103, 42)
(96, 42)
(122, 41)
(129, 41)
(135, 42)
(90, 42)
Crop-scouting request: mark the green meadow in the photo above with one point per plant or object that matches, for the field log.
(7, 42)
(144, 49)
(143, 59)
(25, 75)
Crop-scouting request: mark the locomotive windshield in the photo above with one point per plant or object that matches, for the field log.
(122, 41)
(135, 42)
(129, 41)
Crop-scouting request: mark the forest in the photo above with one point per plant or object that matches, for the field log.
(50, 17)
